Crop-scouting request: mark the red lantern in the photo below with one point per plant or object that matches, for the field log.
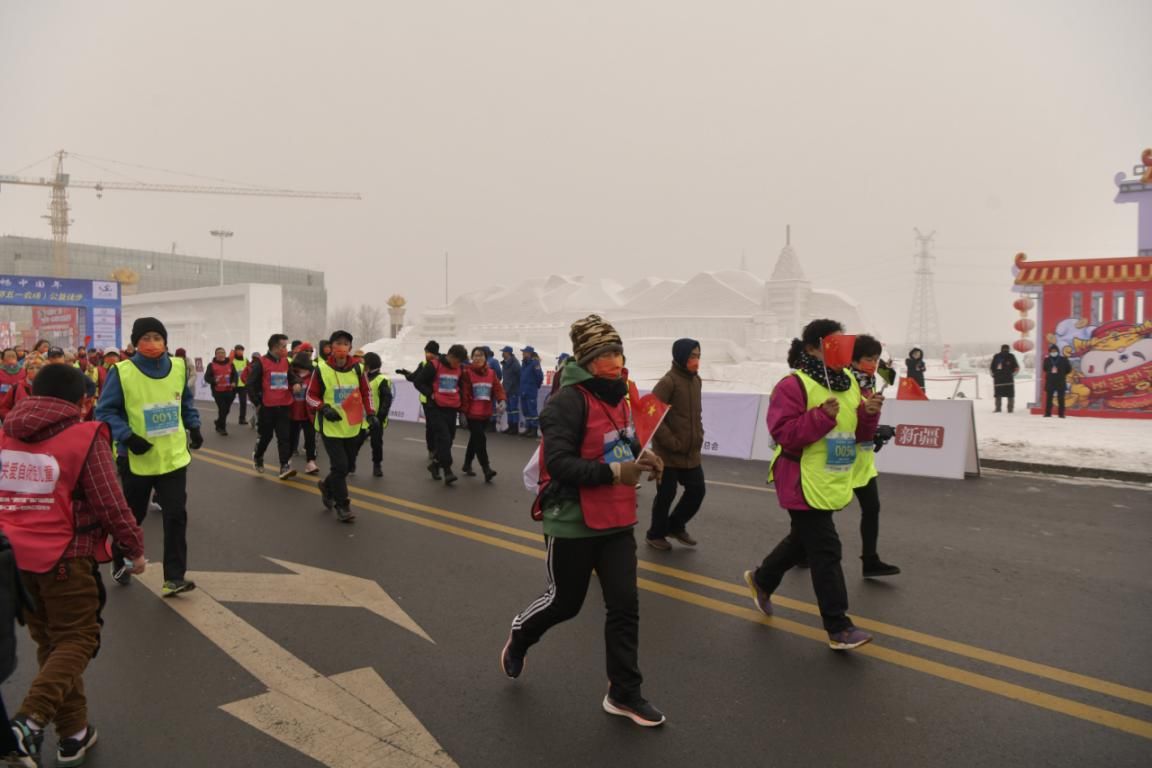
(1022, 345)
(1024, 304)
(1024, 324)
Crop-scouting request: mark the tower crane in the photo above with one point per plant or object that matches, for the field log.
(60, 181)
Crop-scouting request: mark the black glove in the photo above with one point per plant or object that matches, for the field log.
(138, 445)
(195, 438)
(404, 372)
(329, 413)
(374, 422)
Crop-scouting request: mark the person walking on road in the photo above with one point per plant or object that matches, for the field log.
(221, 376)
(380, 390)
(479, 390)
(817, 416)
(439, 381)
(1056, 370)
(241, 366)
(865, 361)
(511, 382)
(588, 506)
(1004, 368)
(59, 529)
(678, 442)
(303, 418)
(151, 411)
(338, 393)
(915, 366)
(431, 352)
(531, 379)
(270, 390)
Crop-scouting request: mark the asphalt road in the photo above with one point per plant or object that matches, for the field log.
(1014, 637)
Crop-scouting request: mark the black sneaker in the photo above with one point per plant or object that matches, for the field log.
(325, 496)
(874, 566)
(434, 469)
(489, 473)
(640, 712)
(70, 752)
(377, 470)
(512, 664)
(344, 514)
(286, 472)
(122, 572)
(467, 470)
(28, 741)
(449, 477)
(257, 464)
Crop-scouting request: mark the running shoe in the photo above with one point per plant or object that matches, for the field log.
(684, 538)
(344, 514)
(762, 599)
(874, 566)
(640, 712)
(512, 664)
(489, 473)
(174, 587)
(325, 496)
(257, 464)
(847, 639)
(28, 742)
(311, 469)
(286, 471)
(658, 544)
(71, 752)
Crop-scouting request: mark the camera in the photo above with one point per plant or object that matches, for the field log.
(884, 433)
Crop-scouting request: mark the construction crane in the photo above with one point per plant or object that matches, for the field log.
(60, 181)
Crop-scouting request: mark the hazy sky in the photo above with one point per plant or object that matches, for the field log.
(617, 139)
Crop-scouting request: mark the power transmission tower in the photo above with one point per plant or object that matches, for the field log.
(924, 322)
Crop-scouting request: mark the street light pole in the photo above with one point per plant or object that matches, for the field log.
(222, 234)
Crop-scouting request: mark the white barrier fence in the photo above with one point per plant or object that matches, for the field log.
(934, 438)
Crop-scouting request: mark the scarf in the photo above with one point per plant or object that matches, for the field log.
(866, 381)
(817, 372)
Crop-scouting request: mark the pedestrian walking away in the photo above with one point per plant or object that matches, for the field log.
(588, 507)
(678, 442)
(270, 381)
(222, 377)
(380, 390)
(431, 352)
(817, 416)
(303, 418)
(439, 381)
(241, 366)
(338, 393)
(1004, 368)
(511, 382)
(59, 529)
(1056, 370)
(150, 409)
(481, 395)
(531, 379)
(865, 362)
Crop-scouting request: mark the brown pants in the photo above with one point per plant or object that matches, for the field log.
(66, 627)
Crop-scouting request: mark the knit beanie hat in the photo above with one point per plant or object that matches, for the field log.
(591, 337)
(145, 325)
(433, 347)
(681, 349)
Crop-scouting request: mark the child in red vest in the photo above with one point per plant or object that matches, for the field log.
(302, 416)
(59, 502)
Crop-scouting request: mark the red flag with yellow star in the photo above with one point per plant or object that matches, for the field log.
(648, 415)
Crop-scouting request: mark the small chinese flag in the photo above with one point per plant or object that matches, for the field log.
(648, 414)
(909, 390)
(353, 406)
(838, 350)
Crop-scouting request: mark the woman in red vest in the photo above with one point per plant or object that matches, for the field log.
(439, 381)
(222, 377)
(588, 501)
(479, 389)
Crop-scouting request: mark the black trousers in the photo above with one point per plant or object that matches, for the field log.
(172, 496)
(869, 497)
(341, 458)
(570, 566)
(813, 533)
(274, 420)
(375, 438)
(477, 443)
(308, 429)
(1054, 393)
(429, 440)
(693, 482)
(242, 396)
(442, 423)
(223, 406)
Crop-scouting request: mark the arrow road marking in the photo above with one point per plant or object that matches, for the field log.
(349, 720)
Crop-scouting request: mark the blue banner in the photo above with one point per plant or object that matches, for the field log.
(57, 291)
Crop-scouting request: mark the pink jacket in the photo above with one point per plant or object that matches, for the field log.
(794, 428)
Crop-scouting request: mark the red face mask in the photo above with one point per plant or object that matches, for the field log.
(867, 367)
(607, 367)
(693, 365)
(151, 349)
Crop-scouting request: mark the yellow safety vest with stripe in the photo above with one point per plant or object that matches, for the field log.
(374, 386)
(865, 467)
(339, 385)
(239, 365)
(154, 411)
(828, 466)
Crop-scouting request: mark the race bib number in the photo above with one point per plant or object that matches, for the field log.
(5, 389)
(448, 384)
(481, 391)
(161, 419)
(340, 394)
(616, 450)
(841, 451)
(223, 380)
(300, 394)
(278, 380)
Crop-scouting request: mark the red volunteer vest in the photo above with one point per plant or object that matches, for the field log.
(300, 403)
(221, 375)
(606, 441)
(8, 384)
(483, 390)
(446, 386)
(277, 392)
(37, 481)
